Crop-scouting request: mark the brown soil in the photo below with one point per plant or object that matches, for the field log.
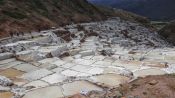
(64, 34)
(151, 87)
(148, 87)
(28, 15)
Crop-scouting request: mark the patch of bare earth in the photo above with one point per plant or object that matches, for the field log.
(150, 87)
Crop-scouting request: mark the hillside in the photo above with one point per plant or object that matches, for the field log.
(168, 32)
(25, 15)
(28, 15)
(31, 14)
(154, 9)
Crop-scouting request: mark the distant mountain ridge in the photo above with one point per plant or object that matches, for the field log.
(153, 9)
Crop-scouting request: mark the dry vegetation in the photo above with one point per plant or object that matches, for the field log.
(168, 32)
(28, 15)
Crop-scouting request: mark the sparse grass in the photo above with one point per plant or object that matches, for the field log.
(2, 18)
(158, 24)
(16, 15)
(1, 2)
(37, 13)
(38, 4)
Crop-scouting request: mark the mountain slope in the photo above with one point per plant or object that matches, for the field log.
(168, 32)
(25, 15)
(154, 9)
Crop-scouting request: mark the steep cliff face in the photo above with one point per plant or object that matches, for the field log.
(154, 9)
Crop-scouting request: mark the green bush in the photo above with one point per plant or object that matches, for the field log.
(15, 15)
(38, 4)
(1, 2)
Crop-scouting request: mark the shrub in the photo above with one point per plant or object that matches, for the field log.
(15, 15)
(1, 2)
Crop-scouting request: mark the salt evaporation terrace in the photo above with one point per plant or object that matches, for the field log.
(87, 57)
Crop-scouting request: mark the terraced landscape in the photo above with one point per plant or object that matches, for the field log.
(88, 60)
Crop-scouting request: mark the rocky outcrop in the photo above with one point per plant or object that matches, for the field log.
(5, 81)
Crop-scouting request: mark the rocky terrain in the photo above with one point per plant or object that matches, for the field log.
(85, 60)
